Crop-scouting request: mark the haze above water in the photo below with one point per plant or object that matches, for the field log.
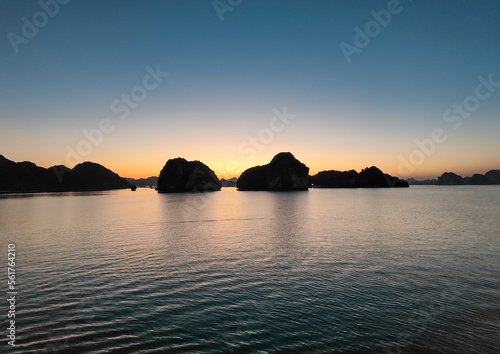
(333, 270)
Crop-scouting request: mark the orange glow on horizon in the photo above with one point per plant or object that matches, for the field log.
(233, 168)
(135, 164)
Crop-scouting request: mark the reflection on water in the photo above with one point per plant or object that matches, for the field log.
(51, 194)
(340, 270)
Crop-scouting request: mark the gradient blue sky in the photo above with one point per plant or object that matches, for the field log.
(226, 78)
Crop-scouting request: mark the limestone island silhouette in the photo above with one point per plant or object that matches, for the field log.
(28, 177)
(180, 175)
(283, 173)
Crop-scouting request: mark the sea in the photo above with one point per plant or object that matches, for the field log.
(406, 270)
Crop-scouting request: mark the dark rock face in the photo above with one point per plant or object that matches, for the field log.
(283, 173)
(92, 176)
(393, 181)
(372, 177)
(368, 178)
(28, 177)
(179, 175)
(334, 179)
(492, 176)
(449, 178)
(477, 179)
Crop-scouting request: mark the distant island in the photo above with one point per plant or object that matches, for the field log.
(422, 182)
(283, 173)
(370, 177)
(150, 182)
(229, 182)
(28, 177)
(452, 179)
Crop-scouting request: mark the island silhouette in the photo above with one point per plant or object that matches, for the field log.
(370, 177)
(150, 182)
(283, 173)
(452, 179)
(180, 175)
(28, 177)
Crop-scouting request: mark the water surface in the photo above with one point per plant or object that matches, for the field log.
(325, 270)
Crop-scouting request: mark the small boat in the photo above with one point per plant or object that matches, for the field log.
(133, 188)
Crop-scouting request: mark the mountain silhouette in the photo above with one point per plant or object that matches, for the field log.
(451, 178)
(179, 175)
(371, 177)
(28, 177)
(283, 173)
(422, 182)
(144, 182)
(229, 182)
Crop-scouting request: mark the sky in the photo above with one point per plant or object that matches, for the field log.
(412, 87)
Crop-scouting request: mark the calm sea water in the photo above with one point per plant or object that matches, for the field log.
(324, 271)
